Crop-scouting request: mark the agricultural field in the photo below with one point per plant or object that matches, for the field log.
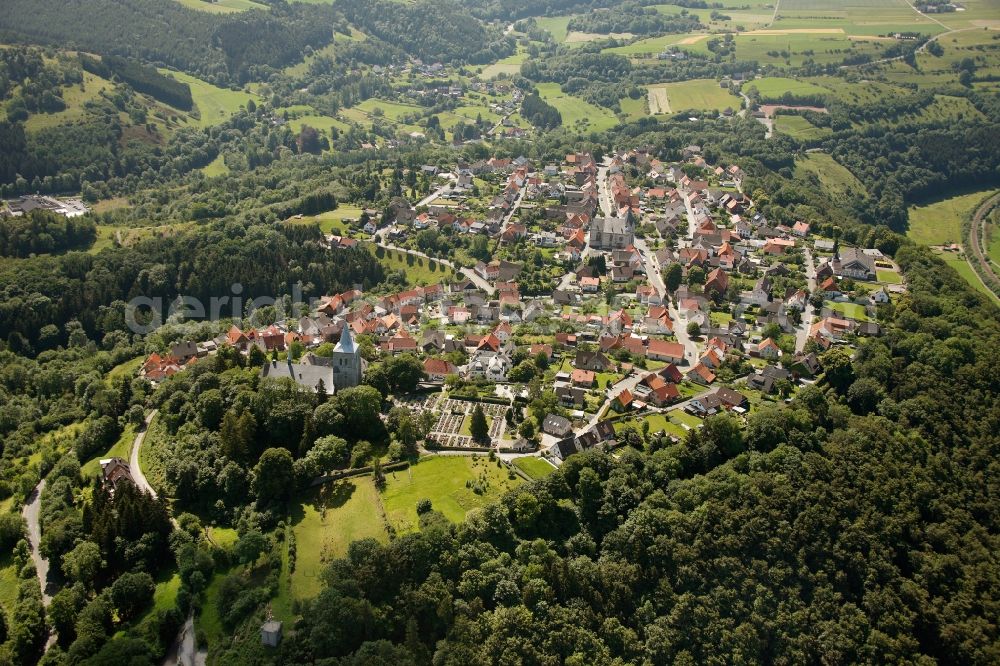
(854, 17)
(510, 65)
(833, 176)
(391, 110)
(653, 45)
(534, 467)
(799, 128)
(214, 104)
(449, 482)
(698, 94)
(332, 222)
(773, 87)
(577, 114)
(223, 6)
(940, 222)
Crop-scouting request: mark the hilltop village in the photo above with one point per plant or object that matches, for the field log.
(619, 297)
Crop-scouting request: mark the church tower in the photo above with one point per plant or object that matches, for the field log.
(347, 362)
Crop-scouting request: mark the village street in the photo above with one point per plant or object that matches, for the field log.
(802, 332)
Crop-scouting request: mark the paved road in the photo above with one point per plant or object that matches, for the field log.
(802, 334)
(184, 651)
(30, 512)
(651, 266)
(133, 460)
(603, 196)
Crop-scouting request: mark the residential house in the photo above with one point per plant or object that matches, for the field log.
(557, 426)
(663, 350)
(438, 369)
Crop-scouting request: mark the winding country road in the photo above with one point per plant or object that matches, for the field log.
(133, 460)
(30, 513)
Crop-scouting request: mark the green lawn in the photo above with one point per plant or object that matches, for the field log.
(833, 177)
(223, 537)
(417, 269)
(536, 468)
(443, 480)
(466, 428)
(848, 310)
(698, 94)
(577, 114)
(214, 104)
(326, 522)
(332, 221)
(121, 449)
(889, 277)
(940, 222)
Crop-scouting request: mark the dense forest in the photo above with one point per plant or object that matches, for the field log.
(540, 113)
(433, 30)
(44, 232)
(41, 295)
(221, 48)
(632, 17)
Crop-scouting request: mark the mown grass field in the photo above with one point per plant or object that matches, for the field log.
(223, 6)
(698, 94)
(332, 222)
(325, 523)
(798, 127)
(536, 468)
(214, 104)
(577, 114)
(510, 65)
(940, 222)
(833, 177)
(556, 25)
(442, 480)
(958, 261)
(417, 269)
(771, 88)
